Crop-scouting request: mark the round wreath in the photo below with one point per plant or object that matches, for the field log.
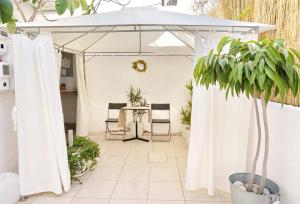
(139, 66)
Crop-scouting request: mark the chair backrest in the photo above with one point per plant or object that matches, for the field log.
(160, 106)
(116, 106)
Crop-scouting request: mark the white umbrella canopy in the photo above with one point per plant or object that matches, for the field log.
(135, 30)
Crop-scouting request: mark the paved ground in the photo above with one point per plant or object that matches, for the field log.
(135, 172)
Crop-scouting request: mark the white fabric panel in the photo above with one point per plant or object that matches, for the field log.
(43, 162)
(83, 113)
(148, 16)
(217, 146)
(58, 60)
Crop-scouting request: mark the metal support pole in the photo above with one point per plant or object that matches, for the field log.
(140, 39)
(100, 38)
(178, 38)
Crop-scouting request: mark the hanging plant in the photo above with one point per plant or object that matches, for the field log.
(139, 66)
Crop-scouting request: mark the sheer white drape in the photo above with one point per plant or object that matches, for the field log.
(219, 129)
(83, 113)
(58, 60)
(43, 162)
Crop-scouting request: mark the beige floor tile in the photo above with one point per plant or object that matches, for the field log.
(135, 174)
(105, 173)
(51, 200)
(96, 189)
(224, 196)
(111, 161)
(89, 201)
(157, 157)
(164, 174)
(123, 201)
(73, 190)
(200, 195)
(165, 191)
(28, 200)
(164, 202)
(131, 190)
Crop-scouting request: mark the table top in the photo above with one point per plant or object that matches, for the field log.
(136, 108)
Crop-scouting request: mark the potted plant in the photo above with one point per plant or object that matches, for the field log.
(136, 98)
(82, 156)
(186, 113)
(258, 69)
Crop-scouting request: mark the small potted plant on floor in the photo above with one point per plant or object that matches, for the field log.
(82, 156)
(186, 113)
(136, 98)
(258, 69)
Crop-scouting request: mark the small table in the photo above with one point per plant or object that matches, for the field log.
(136, 108)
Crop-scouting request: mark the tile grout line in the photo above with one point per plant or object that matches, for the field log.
(182, 187)
(117, 181)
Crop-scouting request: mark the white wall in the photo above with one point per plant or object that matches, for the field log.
(108, 79)
(284, 157)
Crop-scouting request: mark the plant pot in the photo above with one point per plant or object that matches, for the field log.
(82, 172)
(239, 196)
(185, 133)
(140, 126)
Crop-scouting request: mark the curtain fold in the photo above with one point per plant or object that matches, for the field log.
(219, 129)
(83, 113)
(43, 161)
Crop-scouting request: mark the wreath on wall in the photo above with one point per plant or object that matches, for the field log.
(139, 66)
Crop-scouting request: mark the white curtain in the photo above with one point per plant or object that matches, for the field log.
(43, 161)
(219, 129)
(83, 113)
(58, 60)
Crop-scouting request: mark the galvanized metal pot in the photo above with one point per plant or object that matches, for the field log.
(238, 196)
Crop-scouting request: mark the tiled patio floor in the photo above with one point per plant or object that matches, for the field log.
(135, 172)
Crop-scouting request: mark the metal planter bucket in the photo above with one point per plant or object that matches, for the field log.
(239, 196)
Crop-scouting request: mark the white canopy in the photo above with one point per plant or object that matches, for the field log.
(140, 27)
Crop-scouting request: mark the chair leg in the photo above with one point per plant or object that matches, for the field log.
(106, 131)
(151, 131)
(169, 132)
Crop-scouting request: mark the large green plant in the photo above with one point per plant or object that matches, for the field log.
(83, 153)
(256, 68)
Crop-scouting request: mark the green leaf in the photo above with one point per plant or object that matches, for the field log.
(270, 64)
(290, 59)
(261, 79)
(295, 52)
(253, 76)
(222, 43)
(61, 6)
(11, 26)
(71, 7)
(278, 81)
(261, 65)
(240, 71)
(34, 1)
(6, 11)
(83, 5)
(271, 55)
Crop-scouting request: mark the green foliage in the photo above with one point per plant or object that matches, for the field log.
(6, 10)
(186, 112)
(252, 67)
(83, 152)
(136, 98)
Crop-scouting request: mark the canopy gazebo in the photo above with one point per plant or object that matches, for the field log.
(132, 33)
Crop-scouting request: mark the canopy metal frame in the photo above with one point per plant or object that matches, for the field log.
(136, 29)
